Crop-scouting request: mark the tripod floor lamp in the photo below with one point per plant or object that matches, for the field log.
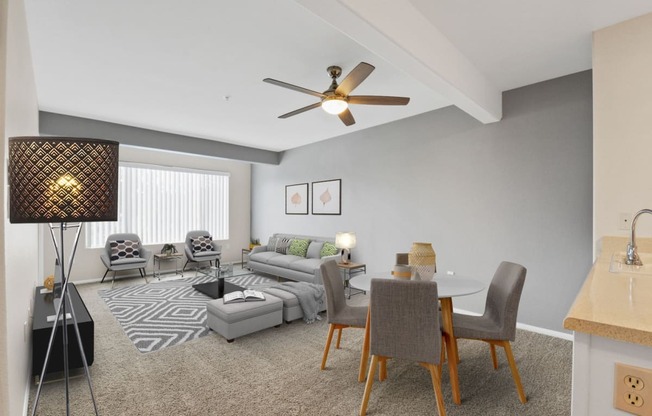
(63, 181)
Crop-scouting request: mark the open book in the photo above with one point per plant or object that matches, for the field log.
(243, 296)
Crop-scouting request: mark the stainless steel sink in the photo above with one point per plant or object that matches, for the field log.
(618, 264)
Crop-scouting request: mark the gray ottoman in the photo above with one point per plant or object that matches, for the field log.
(237, 319)
(291, 308)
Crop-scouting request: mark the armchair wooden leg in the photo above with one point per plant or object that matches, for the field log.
(512, 365)
(339, 337)
(367, 387)
(331, 329)
(435, 375)
(184, 266)
(103, 277)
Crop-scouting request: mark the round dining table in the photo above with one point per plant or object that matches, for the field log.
(447, 288)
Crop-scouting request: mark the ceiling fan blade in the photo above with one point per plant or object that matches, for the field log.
(301, 110)
(355, 78)
(378, 100)
(346, 117)
(293, 87)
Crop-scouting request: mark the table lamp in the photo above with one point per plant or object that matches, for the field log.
(63, 181)
(346, 241)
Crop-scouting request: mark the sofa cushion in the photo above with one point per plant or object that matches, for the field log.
(205, 254)
(314, 249)
(131, 260)
(306, 265)
(271, 244)
(282, 245)
(284, 261)
(124, 249)
(328, 249)
(299, 247)
(263, 256)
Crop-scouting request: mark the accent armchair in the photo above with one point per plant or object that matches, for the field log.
(200, 247)
(124, 251)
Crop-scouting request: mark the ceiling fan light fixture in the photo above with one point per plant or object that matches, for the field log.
(334, 105)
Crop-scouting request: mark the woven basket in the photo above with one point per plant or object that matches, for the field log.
(423, 260)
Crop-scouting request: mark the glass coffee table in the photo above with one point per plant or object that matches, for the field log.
(218, 287)
(217, 272)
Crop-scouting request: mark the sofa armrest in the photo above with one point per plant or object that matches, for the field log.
(336, 257)
(258, 249)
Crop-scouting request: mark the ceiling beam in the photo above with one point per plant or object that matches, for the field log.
(399, 33)
(55, 124)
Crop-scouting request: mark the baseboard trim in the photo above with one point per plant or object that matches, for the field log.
(530, 328)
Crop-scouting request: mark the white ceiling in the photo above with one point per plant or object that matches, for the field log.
(196, 67)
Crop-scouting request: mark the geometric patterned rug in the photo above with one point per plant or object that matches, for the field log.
(162, 314)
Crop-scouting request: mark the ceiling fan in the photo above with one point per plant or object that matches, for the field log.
(336, 99)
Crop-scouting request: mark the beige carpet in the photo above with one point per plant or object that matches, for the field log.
(276, 372)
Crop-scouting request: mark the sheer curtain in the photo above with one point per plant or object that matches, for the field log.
(161, 204)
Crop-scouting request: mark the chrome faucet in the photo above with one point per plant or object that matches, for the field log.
(632, 255)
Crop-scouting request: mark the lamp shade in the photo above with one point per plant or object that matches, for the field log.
(62, 179)
(345, 240)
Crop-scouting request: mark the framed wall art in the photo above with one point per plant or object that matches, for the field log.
(326, 197)
(296, 199)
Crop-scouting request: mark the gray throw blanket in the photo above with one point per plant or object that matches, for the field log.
(310, 296)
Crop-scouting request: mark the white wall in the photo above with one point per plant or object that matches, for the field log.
(517, 190)
(88, 265)
(19, 273)
(622, 136)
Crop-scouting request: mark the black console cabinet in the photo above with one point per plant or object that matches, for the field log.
(42, 329)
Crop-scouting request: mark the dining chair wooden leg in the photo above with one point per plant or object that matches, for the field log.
(331, 329)
(494, 359)
(367, 387)
(512, 365)
(382, 374)
(435, 375)
(365, 352)
(339, 337)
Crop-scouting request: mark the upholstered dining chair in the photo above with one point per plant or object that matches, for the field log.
(404, 320)
(200, 247)
(339, 314)
(497, 326)
(124, 251)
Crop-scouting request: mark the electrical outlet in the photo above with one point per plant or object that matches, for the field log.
(634, 399)
(624, 221)
(634, 383)
(633, 389)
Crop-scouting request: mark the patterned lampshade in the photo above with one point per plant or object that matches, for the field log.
(62, 179)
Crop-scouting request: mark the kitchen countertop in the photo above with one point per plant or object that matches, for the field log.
(614, 305)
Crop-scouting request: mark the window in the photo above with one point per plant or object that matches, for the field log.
(162, 204)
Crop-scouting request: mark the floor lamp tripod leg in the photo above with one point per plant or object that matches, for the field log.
(83, 353)
(47, 359)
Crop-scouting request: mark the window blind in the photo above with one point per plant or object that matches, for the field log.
(161, 204)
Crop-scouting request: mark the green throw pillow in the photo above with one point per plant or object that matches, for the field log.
(299, 247)
(328, 249)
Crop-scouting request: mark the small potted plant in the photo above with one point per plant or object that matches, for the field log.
(254, 242)
(168, 249)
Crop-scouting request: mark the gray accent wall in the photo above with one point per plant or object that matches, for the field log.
(518, 190)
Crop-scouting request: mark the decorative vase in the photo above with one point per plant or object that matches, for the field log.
(422, 259)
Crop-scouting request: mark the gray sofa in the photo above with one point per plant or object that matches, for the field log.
(302, 269)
